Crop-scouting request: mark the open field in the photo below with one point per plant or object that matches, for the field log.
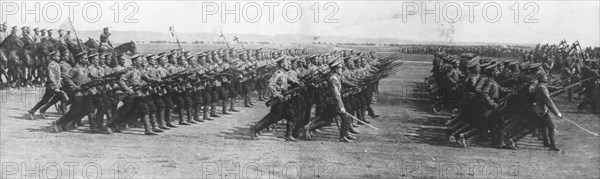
(410, 143)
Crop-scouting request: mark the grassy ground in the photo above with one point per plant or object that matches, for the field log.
(410, 143)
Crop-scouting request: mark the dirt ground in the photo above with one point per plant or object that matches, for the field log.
(410, 143)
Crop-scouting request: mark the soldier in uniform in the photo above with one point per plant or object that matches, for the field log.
(104, 41)
(83, 104)
(543, 104)
(135, 105)
(282, 109)
(335, 106)
(53, 84)
(65, 69)
(163, 71)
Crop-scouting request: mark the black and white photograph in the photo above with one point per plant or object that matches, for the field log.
(299, 89)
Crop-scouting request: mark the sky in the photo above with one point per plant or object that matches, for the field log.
(459, 21)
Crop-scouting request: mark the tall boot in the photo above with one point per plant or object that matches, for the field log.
(168, 119)
(213, 110)
(224, 104)
(544, 133)
(344, 130)
(197, 111)
(182, 117)
(361, 115)
(247, 100)
(288, 132)
(371, 111)
(190, 117)
(43, 110)
(232, 105)
(147, 128)
(206, 113)
(160, 118)
(94, 124)
(154, 123)
(551, 138)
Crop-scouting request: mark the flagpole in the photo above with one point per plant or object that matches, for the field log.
(238, 41)
(177, 38)
(226, 43)
(75, 32)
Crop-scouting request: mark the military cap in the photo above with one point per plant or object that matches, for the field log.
(49, 30)
(162, 53)
(36, 29)
(81, 54)
(92, 55)
(121, 55)
(280, 59)
(189, 57)
(512, 63)
(525, 65)
(24, 28)
(61, 30)
(492, 65)
(335, 63)
(106, 28)
(472, 63)
(54, 52)
(107, 54)
(453, 60)
(135, 57)
(535, 65)
(43, 30)
(15, 27)
(151, 57)
(202, 54)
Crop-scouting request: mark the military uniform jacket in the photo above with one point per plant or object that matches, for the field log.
(28, 42)
(491, 92)
(334, 85)
(543, 102)
(54, 75)
(279, 82)
(79, 76)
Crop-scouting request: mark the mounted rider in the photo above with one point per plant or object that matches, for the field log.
(105, 43)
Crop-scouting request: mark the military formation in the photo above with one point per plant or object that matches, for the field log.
(167, 90)
(503, 101)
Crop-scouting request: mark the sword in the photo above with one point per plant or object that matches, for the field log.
(362, 122)
(580, 127)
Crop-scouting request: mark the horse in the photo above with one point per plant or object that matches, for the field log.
(129, 47)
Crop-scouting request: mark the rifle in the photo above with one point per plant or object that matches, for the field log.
(102, 80)
(560, 91)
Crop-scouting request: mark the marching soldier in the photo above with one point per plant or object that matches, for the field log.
(543, 104)
(135, 105)
(53, 84)
(335, 106)
(278, 84)
(83, 104)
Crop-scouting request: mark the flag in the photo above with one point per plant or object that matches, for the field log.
(67, 25)
(172, 31)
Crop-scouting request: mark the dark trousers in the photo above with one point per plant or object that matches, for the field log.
(49, 96)
(82, 106)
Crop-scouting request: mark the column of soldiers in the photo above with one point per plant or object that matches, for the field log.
(555, 53)
(503, 100)
(23, 57)
(153, 88)
(339, 85)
